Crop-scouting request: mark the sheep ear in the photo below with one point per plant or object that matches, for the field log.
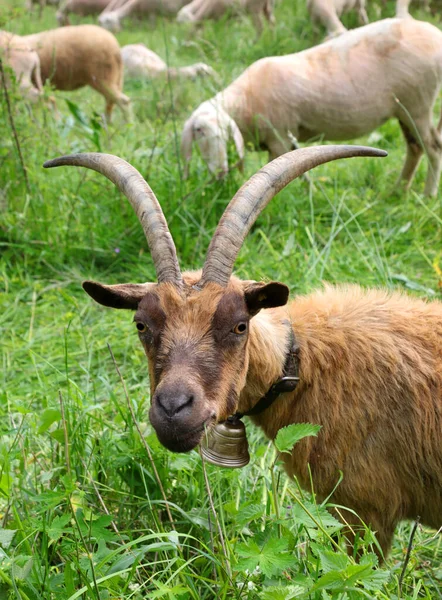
(124, 295)
(186, 145)
(265, 295)
(239, 143)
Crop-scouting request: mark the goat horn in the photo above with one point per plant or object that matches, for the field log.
(253, 197)
(143, 201)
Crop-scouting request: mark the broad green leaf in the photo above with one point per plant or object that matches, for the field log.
(330, 560)
(58, 527)
(282, 593)
(6, 537)
(272, 558)
(320, 513)
(249, 513)
(288, 436)
(49, 416)
(22, 572)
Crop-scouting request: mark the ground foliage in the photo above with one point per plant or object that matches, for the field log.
(82, 514)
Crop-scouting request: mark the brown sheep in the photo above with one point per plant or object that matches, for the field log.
(369, 361)
(74, 56)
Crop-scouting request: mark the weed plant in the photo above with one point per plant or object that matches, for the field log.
(82, 512)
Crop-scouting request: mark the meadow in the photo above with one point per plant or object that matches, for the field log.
(91, 506)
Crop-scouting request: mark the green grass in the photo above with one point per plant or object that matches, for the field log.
(77, 488)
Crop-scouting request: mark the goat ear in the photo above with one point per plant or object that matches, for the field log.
(124, 295)
(186, 145)
(265, 295)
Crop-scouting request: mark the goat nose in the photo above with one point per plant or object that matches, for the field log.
(172, 404)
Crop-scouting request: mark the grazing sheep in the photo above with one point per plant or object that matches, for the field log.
(111, 19)
(200, 10)
(141, 63)
(29, 4)
(74, 56)
(24, 61)
(339, 90)
(368, 363)
(328, 12)
(80, 7)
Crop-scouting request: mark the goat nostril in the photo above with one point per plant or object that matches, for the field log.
(175, 403)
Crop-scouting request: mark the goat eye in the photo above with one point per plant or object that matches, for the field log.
(240, 328)
(142, 328)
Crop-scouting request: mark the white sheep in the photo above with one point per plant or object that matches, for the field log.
(82, 8)
(111, 17)
(142, 63)
(340, 90)
(24, 62)
(200, 10)
(74, 56)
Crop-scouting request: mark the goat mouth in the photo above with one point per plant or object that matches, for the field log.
(183, 441)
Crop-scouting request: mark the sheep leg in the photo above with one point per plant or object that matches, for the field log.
(258, 24)
(362, 13)
(433, 148)
(414, 155)
(268, 12)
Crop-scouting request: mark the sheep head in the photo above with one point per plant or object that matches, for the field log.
(110, 21)
(210, 127)
(194, 328)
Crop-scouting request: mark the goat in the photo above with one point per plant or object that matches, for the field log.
(339, 90)
(200, 10)
(369, 362)
(328, 12)
(140, 62)
(111, 19)
(79, 55)
(80, 7)
(25, 64)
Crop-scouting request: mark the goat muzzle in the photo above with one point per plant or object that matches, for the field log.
(225, 444)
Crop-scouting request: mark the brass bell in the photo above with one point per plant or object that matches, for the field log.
(225, 444)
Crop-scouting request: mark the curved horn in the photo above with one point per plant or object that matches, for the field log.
(253, 197)
(129, 181)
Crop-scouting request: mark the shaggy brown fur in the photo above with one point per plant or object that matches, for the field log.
(370, 374)
(75, 56)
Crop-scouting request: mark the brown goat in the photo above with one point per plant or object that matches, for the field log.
(370, 362)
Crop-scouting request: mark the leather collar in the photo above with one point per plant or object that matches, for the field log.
(286, 383)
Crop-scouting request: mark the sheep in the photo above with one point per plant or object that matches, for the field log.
(111, 19)
(75, 56)
(29, 4)
(369, 363)
(140, 62)
(328, 12)
(80, 7)
(339, 90)
(25, 64)
(200, 10)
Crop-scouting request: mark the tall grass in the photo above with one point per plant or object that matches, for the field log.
(82, 513)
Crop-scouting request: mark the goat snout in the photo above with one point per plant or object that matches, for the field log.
(173, 403)
(179, 416)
